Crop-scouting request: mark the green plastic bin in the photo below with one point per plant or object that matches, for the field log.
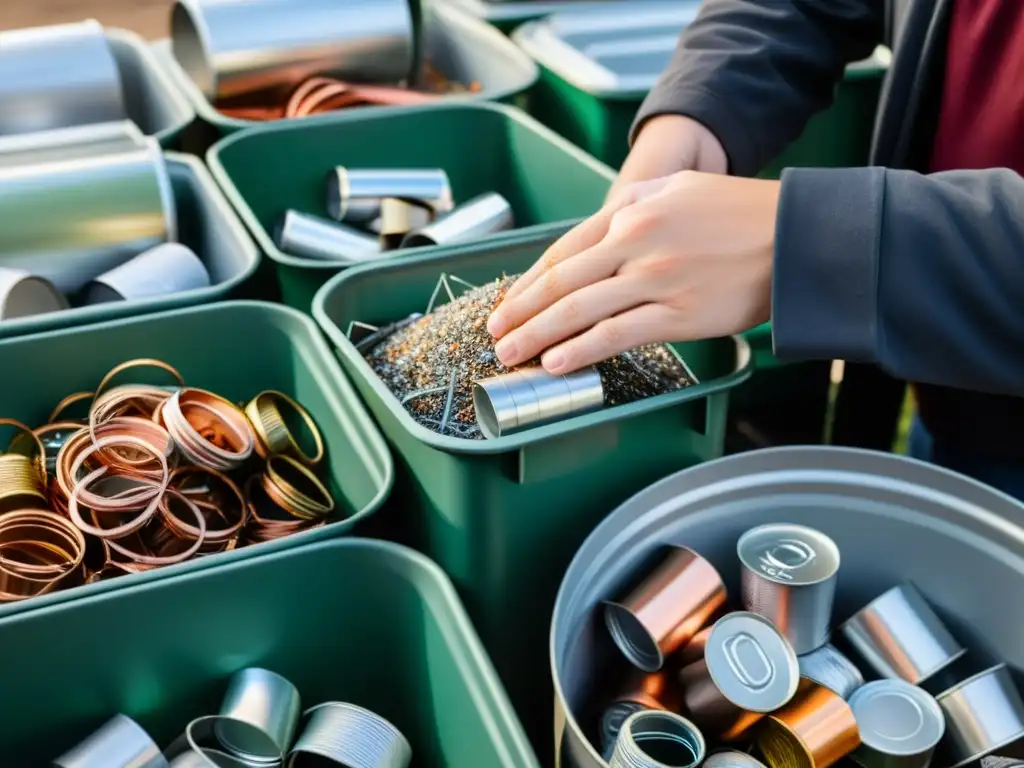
(592, 83)
(152, 99)
(360, 621)
(506, 15)
(235, 349)
(207, 224)
(483, 147)
(503, 517)
(462, 48)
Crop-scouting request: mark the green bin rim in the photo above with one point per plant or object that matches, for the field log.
(439, 594)
(266, 242)
(744, 369)
(92, 314)
(168, 88)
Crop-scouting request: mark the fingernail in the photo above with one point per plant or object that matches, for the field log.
(506, 351)
(553, 362)
(494, 324)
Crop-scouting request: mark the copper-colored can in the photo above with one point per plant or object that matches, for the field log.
(666, 610)
(693, 650)
(640, 691)
(815, 730)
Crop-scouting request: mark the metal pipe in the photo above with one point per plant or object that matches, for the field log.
(167, 269)
(231, 48)
(355, 195)
(530, 397)
(319, 239)
(70, 143)
(22, 294)
(481, 216)
(119, 743)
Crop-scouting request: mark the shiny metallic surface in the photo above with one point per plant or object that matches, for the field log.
(666, 610)
(731, 758)
(258, 716)
(693, 650)
(120, 743)
(72, 220)
(484, 215)
(70, 143)
(319, 239)
(237, 47)
(815, 730)
(653, 739)
(356, 195)
(36, 91)
(347, 735)
(167, 269)
(531, 397)
(22, 295)
(900, 725)
(900, 636)
(870, 503)
(789, 577)
(830, 668)
(398, 218)
(611, 723)
(997, 761)
(983, 714)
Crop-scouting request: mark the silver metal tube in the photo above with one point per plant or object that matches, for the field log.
(397, 219)
(70, 143)
(828, 667)
(22, 294)
(349, 735)
(483, 215)
(983, 714)
(231, 48)
(57, 77)
(900, 725)
(167, 269)
(530, 397)
(119, 743)
(72, 220)
(355, 195)
(258, 716)
(656, 739)
(319, 239)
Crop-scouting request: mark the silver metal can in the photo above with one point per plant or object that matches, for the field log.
(319, 239)
(789, 577)
(483, 215)
(653, 739)
(983, 713)
(830, 668)
(900, 725)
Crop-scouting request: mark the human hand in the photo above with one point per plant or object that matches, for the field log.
(690, 260)
(668, 144)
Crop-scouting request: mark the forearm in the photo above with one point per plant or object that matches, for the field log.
(754, 72)
(923, 275)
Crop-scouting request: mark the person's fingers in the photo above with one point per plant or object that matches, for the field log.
(587, 268)
(645, 324)
(568, 316)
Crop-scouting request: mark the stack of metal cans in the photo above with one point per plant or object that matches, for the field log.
(766, 686)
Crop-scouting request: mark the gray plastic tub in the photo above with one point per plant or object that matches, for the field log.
(894, 519)
(206, 224)
(152, 99)
(461, 47)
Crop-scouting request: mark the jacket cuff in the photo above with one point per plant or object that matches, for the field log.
(825, 272)
(713, 113)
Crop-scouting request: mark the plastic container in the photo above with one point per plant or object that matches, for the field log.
(506, 15)
(152, 99)
(502, 517)
(462, 48)
(483, 148)
(235, 349)
(378, 625)
(206, 224)
(598, 65)
(893, 518)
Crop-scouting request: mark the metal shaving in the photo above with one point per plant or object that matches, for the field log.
(431, 364)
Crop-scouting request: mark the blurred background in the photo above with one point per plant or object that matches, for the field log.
(147, 17)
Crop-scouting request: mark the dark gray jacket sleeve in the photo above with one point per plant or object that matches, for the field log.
(755, 71)
(921, 274)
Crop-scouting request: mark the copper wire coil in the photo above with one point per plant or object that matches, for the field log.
(278, 484)
(263, 526)
(40, 451)
(67, 402)
(38, 552)
(209, 430)
(143, 556)
(20, 480)
(211, 504)
(139, 362)
(272, 432)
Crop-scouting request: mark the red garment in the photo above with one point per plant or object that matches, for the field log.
(981, 122)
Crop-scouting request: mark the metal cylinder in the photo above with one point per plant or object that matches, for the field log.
(789, 577)
(900, 725)
(258, 716)
(398, 218)
(730, 758)
(983, 714)
(748, 669)
(900, 636)
(72, 220)
(656, 690)
(356, 195)
(119, 743)
(70, 143)
(828, 667)
(481, 216)
(236, 47)
(319, 239)
(344, 734)
(530, 397)
(653, 739)
(167, 269)
(57, 77)
(22, 294)
(666, 609)
(815, 730)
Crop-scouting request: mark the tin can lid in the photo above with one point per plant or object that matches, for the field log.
(751, 663)
(731, 758)
(789, 554)
(897, 718)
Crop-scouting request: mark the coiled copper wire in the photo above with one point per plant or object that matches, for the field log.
(22, 476)
(38, 552)
(267, 521)
(219, 500)
(279, 483)
(272, 433)
(209, 431)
